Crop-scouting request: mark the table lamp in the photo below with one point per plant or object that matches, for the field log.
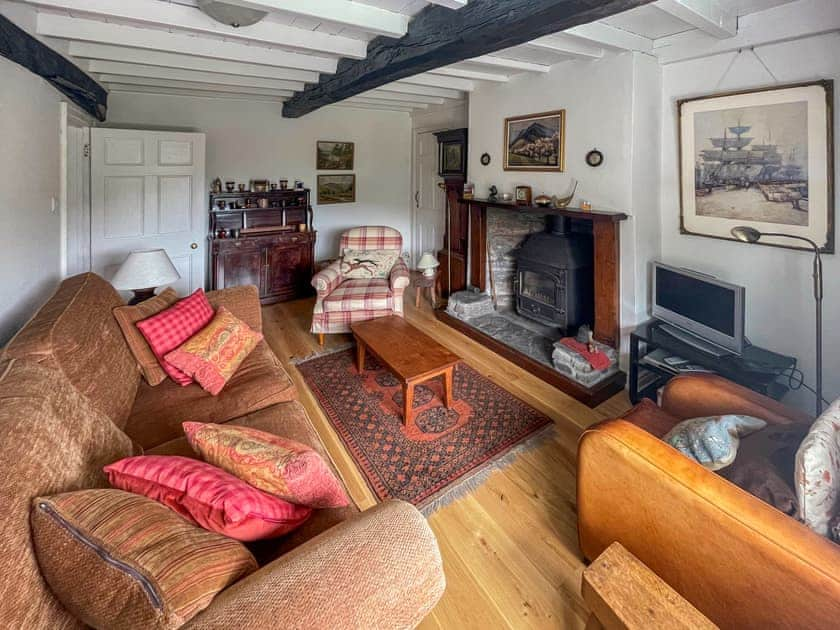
(751, 235)
(427, 264)
(143, 271)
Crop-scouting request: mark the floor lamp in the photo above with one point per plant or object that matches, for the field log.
(751, 235)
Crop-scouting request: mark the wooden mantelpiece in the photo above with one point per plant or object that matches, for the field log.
(605, 232)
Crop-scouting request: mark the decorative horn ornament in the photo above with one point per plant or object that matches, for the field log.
(563, 202)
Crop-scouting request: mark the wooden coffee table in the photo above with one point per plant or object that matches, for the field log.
(412, 356)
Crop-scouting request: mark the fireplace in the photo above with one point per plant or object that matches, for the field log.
(554, 281)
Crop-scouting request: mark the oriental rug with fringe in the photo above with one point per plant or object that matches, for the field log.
(446, 452)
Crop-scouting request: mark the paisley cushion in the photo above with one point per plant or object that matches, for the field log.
(712, 441)
(283, 467)
(818, 471)
(375, 263)
(213, 355)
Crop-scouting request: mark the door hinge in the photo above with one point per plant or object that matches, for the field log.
(86, 150)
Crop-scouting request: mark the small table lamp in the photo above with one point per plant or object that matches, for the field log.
(427, 264)
(143, 271)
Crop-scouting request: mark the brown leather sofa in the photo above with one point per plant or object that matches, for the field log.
(71, 401)
(741, 562)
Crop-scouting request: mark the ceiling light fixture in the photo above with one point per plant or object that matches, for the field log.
(231, 14)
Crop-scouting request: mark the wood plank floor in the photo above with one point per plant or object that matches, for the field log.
(509, 547)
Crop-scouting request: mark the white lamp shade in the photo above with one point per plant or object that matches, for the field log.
(145, 270)
(428, 261)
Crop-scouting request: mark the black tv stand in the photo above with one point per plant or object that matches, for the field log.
(693, 340)
(757, 368)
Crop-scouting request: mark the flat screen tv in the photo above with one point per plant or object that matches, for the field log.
(701, 305)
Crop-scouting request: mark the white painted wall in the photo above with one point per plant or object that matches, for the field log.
(29, 162)
(778, 282)
(251, 140)
(611, 104)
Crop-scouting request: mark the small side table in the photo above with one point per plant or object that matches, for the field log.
(624, 594)
(420, 282)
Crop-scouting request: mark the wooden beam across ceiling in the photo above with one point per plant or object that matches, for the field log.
(439, 36)
(20, 47)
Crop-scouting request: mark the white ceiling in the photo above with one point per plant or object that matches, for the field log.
(170, 47)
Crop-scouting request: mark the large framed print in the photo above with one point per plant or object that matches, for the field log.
(761, 158)
(536, 142)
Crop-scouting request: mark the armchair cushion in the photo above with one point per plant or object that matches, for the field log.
(364, 265)
(360, 295)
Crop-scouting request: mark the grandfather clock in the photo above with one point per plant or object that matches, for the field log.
(452, 167)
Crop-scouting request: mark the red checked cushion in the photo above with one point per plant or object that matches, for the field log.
(283, 467)
(170, 328)
(208, 496)
(213, 355)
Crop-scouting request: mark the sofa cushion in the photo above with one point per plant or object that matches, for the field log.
(75, 333)
(289, 420)
(360, 295)
(128, 316)
(818, 471)
(159, 411)
(207, 496)
(119, 560)
(170, 328)
(272, 463)
(712, 441)
(213, 355)
(52, 440)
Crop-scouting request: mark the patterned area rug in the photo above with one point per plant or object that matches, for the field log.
(447, 453)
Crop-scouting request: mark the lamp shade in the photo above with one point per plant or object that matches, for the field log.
(145, 270)
(428, 261)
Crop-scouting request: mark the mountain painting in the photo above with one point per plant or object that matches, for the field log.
(335, 156)
(336, 189)
(535, 142)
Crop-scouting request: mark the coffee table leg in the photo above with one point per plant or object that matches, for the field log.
(408, 398)
(360, 355)
(447, 388)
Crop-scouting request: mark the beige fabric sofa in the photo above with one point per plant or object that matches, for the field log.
(71, 401)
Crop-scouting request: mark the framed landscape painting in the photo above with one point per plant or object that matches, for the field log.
(536, 142)
(760, 158)
(336, 189)
(335, 156)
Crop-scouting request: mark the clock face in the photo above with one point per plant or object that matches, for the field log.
(594, 158)
(520, 194)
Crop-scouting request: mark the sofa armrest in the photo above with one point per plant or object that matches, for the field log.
(327, 280)
(739, 561)
(380, 569)
(400, 277)
(694, 396)
(243, 302)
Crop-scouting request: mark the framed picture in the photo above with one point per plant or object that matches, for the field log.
(336, 189)
(335, 156)
(452, 152)
(536, 142)
(761, 158)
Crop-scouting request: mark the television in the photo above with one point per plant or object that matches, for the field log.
(701, 305)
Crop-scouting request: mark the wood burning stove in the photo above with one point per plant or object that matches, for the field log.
(554, 282)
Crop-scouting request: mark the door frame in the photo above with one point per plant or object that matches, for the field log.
(74, 193)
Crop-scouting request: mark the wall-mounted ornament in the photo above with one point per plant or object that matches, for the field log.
(594, 158)
(485, 159)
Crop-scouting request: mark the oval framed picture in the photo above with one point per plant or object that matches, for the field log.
(594, 158)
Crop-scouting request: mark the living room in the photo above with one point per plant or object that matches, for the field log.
(428, 313)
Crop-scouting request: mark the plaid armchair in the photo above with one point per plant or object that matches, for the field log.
(341, 302)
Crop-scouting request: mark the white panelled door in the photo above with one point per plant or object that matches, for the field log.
(147, 192)
(429, 199)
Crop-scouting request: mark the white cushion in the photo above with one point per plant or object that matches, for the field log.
(818, 471)
(364, 265)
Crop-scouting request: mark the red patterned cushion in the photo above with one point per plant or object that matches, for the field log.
(170, 328)
(283, 467)
(208, 496)
(213, 355)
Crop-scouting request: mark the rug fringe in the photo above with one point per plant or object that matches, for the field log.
(317, 355)
(477, 478)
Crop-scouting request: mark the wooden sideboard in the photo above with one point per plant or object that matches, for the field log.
(281, 264)
(269, 251)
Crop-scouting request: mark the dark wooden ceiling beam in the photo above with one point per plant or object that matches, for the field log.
(24, 49)
(438, 36)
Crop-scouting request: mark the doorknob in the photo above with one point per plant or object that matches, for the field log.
(193, 245)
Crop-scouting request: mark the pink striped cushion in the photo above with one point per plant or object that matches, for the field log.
(208, 496)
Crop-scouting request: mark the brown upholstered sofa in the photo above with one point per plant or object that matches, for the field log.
(72, 400)
(740, 561)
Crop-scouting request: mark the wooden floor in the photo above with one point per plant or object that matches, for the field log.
(510, 547)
